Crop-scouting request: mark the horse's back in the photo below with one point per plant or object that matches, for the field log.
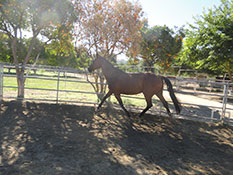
(127, 83)
(135, 83)
(152, 83)
(151, 78)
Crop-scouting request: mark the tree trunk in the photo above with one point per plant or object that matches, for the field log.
(100, 86)
(20, 82)
(149, 66)
(230, 75)
(229, 72)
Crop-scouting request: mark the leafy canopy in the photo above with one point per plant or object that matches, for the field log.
(109, 27)
(209, 43)
(34, 18)
(160, 45)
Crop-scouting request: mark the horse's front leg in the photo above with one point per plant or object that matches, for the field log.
(103, 100)
(118, 97)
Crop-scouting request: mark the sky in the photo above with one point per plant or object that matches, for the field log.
(174, 12)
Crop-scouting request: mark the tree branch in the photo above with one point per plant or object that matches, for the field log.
(13, 47)
(32, 66)
(27, 58)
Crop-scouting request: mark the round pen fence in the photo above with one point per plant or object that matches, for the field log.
(201, 99)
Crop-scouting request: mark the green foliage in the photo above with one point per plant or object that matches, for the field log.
(209, 43)
(5, 52)
(160, 45)
(82, 58)
(74, 57)
(51, 19)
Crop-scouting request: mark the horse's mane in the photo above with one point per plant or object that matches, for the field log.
(112, 66)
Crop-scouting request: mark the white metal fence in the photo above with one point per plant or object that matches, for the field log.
(202, 99)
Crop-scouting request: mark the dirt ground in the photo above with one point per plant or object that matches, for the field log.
(59, 139)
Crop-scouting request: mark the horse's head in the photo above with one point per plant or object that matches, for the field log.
(96, 64)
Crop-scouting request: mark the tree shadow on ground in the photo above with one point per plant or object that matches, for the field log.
(171, 146)
(39, 138)
(52, 139)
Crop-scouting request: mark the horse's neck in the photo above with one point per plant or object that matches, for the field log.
(110, 71)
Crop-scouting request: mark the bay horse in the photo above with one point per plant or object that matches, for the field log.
(120, 82)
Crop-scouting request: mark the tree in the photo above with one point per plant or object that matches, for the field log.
(38, 18)
(5, 54)
(74, 57)
(109, 28)
(209, 43)
(160, 45)
(82, 58)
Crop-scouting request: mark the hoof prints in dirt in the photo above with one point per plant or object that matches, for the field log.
(39, 138)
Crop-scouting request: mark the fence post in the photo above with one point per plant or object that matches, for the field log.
(177, 85)
(224, 101)
(58, 84)
(1, 81)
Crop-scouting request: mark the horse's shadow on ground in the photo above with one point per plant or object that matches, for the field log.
(171, 145)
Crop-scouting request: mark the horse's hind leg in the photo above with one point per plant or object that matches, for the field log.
(165, 104)
(149, 104)
(118, 97)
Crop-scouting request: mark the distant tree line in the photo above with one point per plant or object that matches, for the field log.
(70, 32)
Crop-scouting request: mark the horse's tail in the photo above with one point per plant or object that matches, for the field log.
(172, 94)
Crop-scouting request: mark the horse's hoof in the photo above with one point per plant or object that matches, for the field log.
(128, 114)
(140, 120)
(170, 114)
(97, 110)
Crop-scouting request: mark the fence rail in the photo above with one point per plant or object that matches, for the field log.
(71, 86)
